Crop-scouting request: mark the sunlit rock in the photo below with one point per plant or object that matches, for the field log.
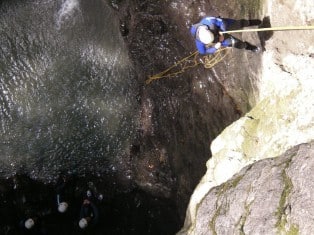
(272, 196)
(282, 118)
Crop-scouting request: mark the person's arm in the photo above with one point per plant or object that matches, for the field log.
(200, 47)
(203, 50)
(193, 31)
(218, 22)
(211, 50)
(221, 24)
(60, 184)
(58, 199)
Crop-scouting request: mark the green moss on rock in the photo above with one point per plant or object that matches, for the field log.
(280, 213)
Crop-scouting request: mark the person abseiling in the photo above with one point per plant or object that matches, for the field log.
(208, 38)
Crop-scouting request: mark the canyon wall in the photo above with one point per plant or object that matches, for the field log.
(282, 118)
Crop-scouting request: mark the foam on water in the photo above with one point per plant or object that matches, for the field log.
(67, 9)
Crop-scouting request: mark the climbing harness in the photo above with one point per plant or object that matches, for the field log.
(191, 61)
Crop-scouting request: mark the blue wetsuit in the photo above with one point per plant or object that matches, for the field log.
(215, 25)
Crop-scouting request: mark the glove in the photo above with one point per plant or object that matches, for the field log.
(217, 45)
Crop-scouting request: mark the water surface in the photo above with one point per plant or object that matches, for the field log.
(67, 90)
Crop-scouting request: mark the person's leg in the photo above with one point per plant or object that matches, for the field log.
(246, 23)
(229, 21)
(251, 47)
(231, 41)
(232, 24)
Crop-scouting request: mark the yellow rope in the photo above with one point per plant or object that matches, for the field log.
(211, 61)
(182, 63)
(271, 29)
(188, 62)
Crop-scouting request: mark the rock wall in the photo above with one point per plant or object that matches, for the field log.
(282, 118)
(182, 115)
(272, 196)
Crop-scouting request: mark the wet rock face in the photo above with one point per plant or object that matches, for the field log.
(272, 196)
(182, 115)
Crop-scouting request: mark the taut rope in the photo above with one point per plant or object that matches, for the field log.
(271, 29)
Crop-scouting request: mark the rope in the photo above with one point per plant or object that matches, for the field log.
(188, 62)
(271, 29)
(212, 60)
(182, 63)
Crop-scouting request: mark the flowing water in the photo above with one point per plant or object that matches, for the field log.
(67, 89)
